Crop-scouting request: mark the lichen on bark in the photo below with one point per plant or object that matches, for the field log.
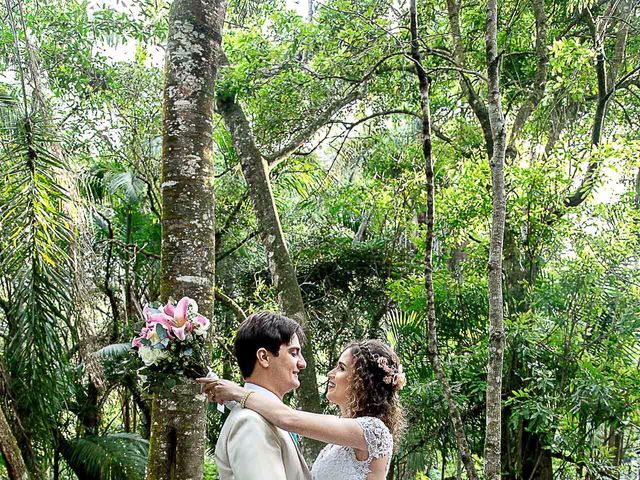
(178, 432)
(188, 223)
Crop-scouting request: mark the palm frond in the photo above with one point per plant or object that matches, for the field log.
(127, 183)
(240, 11)
(34, 235)
(405, 333)
(302, 177)
(120, 456)
(401, 324)
(6, 100)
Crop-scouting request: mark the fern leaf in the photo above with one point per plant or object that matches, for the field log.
(120, 456)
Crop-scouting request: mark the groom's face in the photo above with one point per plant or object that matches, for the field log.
(287, 365)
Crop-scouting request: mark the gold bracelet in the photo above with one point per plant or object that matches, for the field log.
(243, 400)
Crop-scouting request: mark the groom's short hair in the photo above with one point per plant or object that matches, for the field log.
(263, 330)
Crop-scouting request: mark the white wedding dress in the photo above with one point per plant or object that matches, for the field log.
(340, 463)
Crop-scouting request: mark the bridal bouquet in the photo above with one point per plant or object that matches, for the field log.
(172, 342)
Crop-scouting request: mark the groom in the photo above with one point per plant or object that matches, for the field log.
(268, 352)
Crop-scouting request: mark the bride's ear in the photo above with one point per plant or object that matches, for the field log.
(262, 356)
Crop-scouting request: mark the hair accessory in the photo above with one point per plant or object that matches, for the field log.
(392, 376)
(243, 400)
(400, 380)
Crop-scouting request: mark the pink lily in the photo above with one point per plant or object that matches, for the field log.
(167, 324)
(169, 309)
(160, 318)
(180, 313)
(137, 342)
(179, 332)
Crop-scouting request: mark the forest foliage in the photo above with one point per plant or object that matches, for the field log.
(334, 107)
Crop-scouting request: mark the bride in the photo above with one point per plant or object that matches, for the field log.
(364, 385)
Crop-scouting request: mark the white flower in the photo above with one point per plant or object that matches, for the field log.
(152, 356)
(200, 325)
(200, 331)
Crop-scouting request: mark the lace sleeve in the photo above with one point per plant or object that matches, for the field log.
(377, 435)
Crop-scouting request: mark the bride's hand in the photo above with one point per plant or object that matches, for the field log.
(225, 390)
(220, 390)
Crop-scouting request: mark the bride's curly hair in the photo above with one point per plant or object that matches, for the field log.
(375, 383)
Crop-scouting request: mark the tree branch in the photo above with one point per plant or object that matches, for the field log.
(232, 216)
(107, 278)
(238, 246)
(231, 305)
(352, 125)
(604, 96)
(307, 132)
(475, 102)
(540, 78)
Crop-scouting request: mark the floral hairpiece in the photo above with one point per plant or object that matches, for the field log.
(393, 376)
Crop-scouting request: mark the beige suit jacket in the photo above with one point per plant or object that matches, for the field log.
(251, 448)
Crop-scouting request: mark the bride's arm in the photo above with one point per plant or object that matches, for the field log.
(326, 428)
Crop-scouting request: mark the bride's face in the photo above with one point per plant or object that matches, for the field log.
(340, 379)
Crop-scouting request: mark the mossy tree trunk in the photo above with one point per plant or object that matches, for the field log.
(256, 174)
(492, 445)
(178, 431)
(424, 84)
(13, 460)
(188, 229)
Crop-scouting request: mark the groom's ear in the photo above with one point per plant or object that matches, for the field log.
(262, 356)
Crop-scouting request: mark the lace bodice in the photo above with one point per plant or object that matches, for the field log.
(340, 463)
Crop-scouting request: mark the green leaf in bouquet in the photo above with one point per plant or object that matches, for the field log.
(161, 331)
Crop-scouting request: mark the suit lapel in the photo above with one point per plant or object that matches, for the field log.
(305, 467)
(286, 437)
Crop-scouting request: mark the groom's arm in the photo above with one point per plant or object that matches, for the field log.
(254, 450)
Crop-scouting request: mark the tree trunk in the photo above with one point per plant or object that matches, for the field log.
(178, 435)
(492, 446)
(310, 10)
(539, 81)
(636, 198)
(432, 346)
(256, 174)
(475, 102)
(89, 413)
(537, 463)
(13, 460)
(188, 224)
(188, 229)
